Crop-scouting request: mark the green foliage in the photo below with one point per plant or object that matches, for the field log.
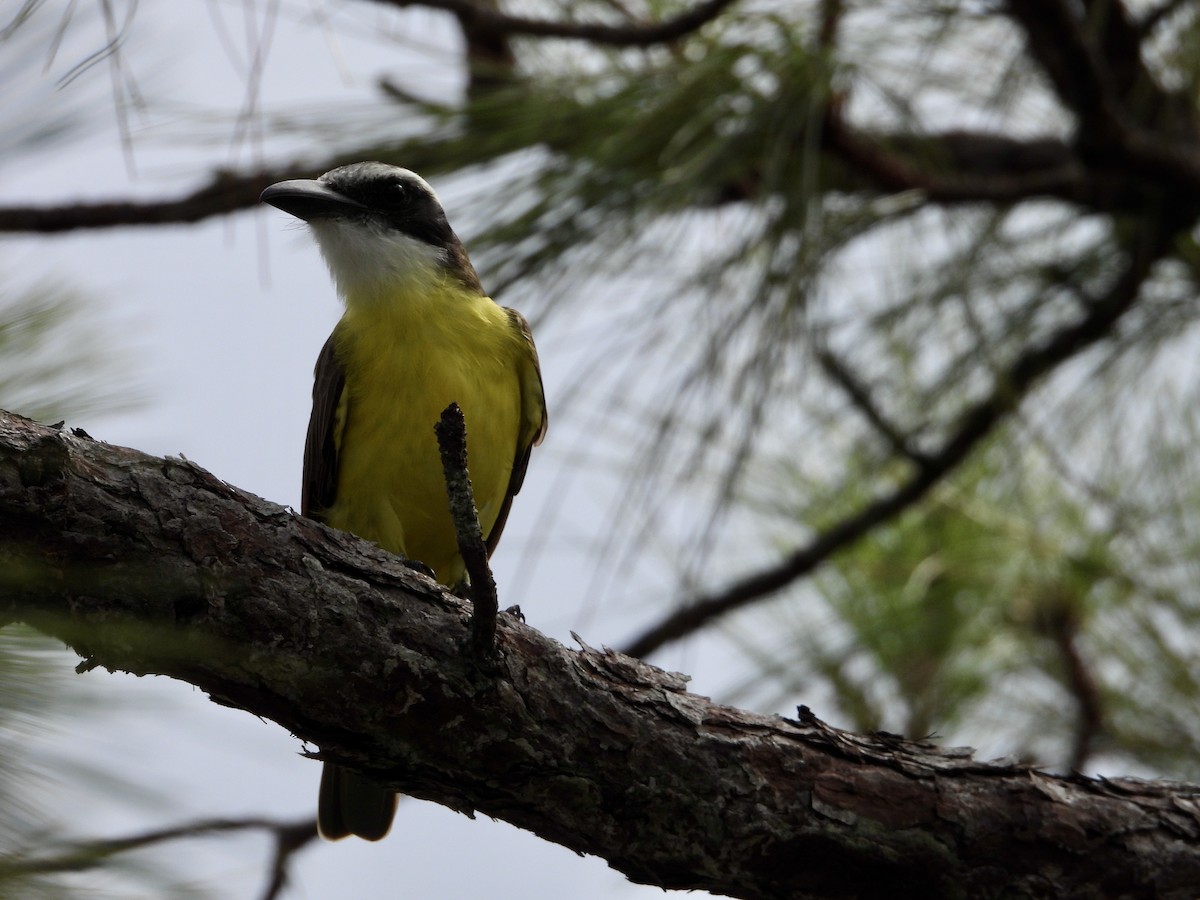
(40, 693)
(1007, 607)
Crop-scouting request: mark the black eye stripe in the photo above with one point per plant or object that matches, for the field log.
(402, 202)
(390, 194)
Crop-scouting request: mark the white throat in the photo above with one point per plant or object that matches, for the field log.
(368, 260)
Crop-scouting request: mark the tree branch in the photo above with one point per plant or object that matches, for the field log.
(971, 167)
(1130, 125)
(1062, 628)
(1060, 43)
(1094, 58)
(226, 192)
(290, 837)
(977, 422)
(478, 18)
(451, 431)
(958, 167)
(154, 566)
(860, 398)
(1155, 17)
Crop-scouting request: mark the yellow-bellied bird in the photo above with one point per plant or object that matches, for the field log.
(418, 334)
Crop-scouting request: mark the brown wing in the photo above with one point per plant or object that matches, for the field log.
(324, 434)
(533, 422)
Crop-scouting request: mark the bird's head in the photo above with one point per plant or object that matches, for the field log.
(379, 227)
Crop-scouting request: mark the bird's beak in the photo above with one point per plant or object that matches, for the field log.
(308, 200)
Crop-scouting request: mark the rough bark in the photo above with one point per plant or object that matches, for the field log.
(155, 566)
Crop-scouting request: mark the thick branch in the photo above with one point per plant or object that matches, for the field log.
(962, 167)
(153, 565)
(1059, 42)
(1094, 58)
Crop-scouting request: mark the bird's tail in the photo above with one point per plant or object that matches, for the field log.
(351, 804)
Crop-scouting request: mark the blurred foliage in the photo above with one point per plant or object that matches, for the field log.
(40, 699)
(1063, 550)
(56, 365)
(39, 116)
(29, 701)
(948, 622)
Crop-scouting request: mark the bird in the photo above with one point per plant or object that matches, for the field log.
(418, 332)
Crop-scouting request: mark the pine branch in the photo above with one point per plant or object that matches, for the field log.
(974, 425)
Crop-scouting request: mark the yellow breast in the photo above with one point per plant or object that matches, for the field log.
(406, 360)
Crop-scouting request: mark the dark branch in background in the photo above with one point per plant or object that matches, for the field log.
(290, 837)
(451, 431)
(153, 565)
(860, 397)
(831, 19)
(1119, 54)
(974, 425)
(482, 19)
(958, 167)
(288, 840)
(486, 31)
(1096, 65)
(1160, 14)
(225, 193)
(972, 168)
(1057, 41)
(1061, 625)
(490, 59)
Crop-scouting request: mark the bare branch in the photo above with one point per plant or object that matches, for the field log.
(1093, 56)
(831, 15)
(225, 193)
(1059, 41)
(290, 837)
(972, 167)
(451, 431)
(479, 18)
(1061, 625)
(860, 397)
